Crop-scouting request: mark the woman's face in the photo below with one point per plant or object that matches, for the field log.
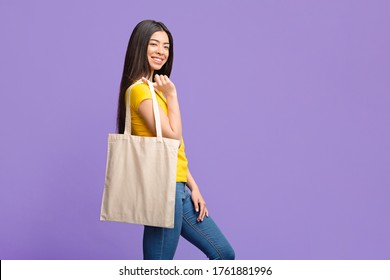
(158, 50)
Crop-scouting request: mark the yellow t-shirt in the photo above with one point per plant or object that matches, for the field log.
(139, 93)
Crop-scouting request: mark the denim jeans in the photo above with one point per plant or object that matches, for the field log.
(160, 243)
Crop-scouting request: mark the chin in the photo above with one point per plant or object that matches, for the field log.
(157, 68)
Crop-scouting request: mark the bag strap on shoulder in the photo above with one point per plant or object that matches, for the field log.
(156, 111)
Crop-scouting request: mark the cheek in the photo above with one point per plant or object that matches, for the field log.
(151, 50)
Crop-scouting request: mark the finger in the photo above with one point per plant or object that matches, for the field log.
(164, 79)
(146, 81)
(157, 78)
(196, 206)
(202, 211)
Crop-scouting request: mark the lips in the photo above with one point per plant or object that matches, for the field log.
(157, 60)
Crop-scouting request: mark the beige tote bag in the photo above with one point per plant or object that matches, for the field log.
(140, 182)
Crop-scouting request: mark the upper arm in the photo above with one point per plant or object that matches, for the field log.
(141, 102)
(138, 94)
(145, 109)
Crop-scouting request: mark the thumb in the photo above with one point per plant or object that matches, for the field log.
(146, 81)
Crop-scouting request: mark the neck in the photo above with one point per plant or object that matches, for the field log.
(150, 78)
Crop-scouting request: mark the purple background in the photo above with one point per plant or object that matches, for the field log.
(286, 120)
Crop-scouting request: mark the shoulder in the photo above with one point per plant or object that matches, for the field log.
(138, 93)
(140, 89)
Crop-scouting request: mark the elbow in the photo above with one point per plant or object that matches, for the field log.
(176, 136)
(172, 134)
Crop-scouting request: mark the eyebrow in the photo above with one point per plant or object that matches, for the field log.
(166, 43)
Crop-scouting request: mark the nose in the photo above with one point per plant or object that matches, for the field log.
(160, 49)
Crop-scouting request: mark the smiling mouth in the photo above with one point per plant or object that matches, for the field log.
(157, 60)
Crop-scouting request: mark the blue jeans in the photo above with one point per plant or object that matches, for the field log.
(160, 243)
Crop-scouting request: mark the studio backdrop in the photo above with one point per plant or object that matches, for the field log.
(286, 117)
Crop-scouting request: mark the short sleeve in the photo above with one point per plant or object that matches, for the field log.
(139, 93)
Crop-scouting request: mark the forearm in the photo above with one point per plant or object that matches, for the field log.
(199, 203)
(191, 182)
(174, 115)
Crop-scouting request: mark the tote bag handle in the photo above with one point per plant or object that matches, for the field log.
(156, 111)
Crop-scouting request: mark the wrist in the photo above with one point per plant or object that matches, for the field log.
(193, 188)
(172, 94)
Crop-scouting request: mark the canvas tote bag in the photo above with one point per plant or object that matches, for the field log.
(140, 182)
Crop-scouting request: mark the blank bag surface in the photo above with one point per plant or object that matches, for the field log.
(140, 182)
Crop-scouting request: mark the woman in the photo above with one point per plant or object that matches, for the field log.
(150, 56)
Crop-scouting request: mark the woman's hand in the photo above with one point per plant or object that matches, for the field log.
(199, 204)
(197, 199)
(164, 84)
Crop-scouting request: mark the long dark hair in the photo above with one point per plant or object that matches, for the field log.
(136, 62)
